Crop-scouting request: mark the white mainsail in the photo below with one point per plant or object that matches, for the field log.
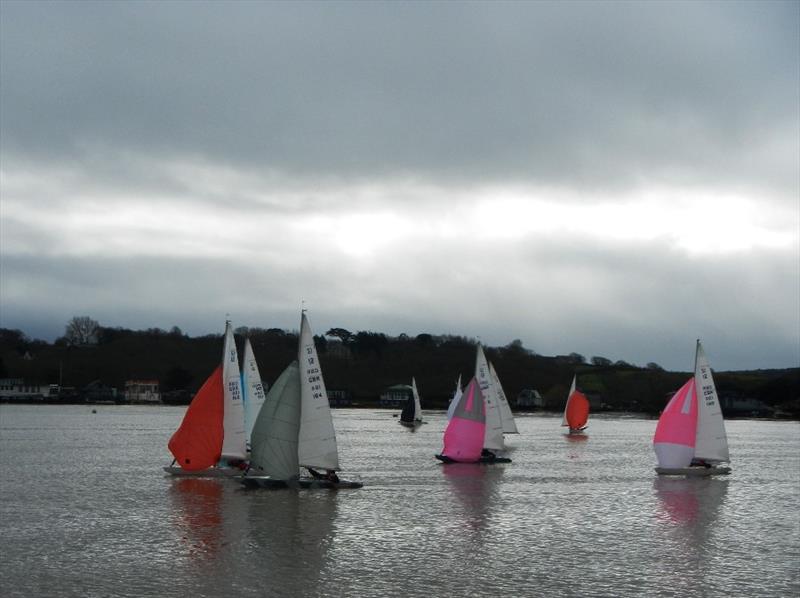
(711, 440)
(509, 425)
(317, 437)
(564, 421)
(493, 438)
(456, 398)
(252, 388)
(274, 437)
(234, 438)
(417, 404)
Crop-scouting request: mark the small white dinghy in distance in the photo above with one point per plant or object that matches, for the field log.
(690, 437)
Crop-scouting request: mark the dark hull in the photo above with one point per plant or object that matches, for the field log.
(254, 482)
(481, 461)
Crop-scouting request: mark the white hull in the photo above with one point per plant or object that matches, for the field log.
(693, 471)
(211, 472)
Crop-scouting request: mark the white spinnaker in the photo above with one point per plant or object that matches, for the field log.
(317, 446)
(234, 438)
(712, 441)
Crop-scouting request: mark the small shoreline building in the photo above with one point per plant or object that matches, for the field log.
(143, 392)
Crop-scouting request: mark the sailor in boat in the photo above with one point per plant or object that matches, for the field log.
(329, 475)
(699, 463)
(487, 455)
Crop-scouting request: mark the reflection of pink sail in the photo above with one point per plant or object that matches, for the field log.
(674, 439)
(463, 437)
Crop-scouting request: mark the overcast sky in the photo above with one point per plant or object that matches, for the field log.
(613, 179)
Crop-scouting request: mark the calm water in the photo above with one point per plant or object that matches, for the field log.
(85, 510)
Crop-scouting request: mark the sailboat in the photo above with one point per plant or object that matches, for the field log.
(464, 436)
(252, 389)
(411, 416)
(211, 438)
(493, 437)
(456, 397)
(576, 411)
(294, 428)
(690, 436)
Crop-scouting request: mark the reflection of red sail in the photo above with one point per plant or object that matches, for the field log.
(199, 518)
(197, 443)
(577, 410)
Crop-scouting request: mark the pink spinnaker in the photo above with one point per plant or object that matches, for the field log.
(676, 432)
(463, 437)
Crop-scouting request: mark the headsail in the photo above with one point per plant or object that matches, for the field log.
(463, 437)
(675, 436)
(417, 404)
(455, 399)
(509, 425)
(317, 436)
(712, 441)
(197, 443)
(233, 442)
(252, 389)
(494, 424)
(274, 438)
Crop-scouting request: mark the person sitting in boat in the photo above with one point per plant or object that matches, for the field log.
(331, 476)
(488, 455)
(315, 474)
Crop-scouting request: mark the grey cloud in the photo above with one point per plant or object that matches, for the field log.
(586, 94)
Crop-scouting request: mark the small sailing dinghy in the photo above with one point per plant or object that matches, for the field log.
(295, 428)
(210, 442)
(411, 416)
(253, 394)
(464, 436)
(576, 410)
(690, 437)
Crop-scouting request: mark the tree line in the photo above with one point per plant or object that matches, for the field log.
(363, 364)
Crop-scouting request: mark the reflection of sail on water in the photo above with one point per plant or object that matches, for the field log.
(292, 529)
(197, 514)
(473, 488)
(687, 510)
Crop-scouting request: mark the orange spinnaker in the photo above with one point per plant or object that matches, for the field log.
(577, 410)
(197, 443)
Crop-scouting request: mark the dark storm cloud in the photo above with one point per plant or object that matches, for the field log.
(609, 94)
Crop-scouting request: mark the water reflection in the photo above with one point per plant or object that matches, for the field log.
(292, 531)
(197, 512)
(474, 487)
(684, 501)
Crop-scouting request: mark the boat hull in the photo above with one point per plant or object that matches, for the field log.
(254, 482)
(481, 461)
(211, 472)
(699, 472)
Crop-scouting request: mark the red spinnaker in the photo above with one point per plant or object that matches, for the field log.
(197, 443)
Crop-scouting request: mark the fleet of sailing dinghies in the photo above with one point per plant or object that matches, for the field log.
(690, 437)
(576, 410)
(295, 429)
(211, 438)
(411, 416)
